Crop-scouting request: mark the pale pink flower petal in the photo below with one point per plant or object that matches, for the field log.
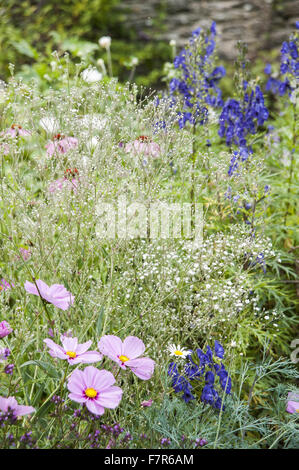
(78, 397)
(83, 347)
(12, 404)
(142, 367)
(88, 358)
(293, 402)
(69, 344)
(31, 288)
(94, 407)
(55, 349)
(104, 380)
(55, 294)
(292, 406)
(90, 377)
(133, 347)
(110, 346)
(75, 385)
(24, 410)
(6, 403)
(110, 398)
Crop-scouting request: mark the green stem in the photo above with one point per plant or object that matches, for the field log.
(291, 166)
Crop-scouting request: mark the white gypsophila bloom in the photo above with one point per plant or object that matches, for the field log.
(2, 91)
(53, 65)
(91, 75)
(93, 121)
(105, 42)
(178, 351)
(50, 124)
(213, 116)
(85, 162)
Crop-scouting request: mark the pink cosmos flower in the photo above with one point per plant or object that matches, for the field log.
(15, 131)
(293, 403)
(11, 403)
(55, 294)
(95, 388)
(61, 144)
(126, 354)
(5, 329)
(73, 352)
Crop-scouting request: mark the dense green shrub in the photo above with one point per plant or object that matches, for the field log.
(31, 30)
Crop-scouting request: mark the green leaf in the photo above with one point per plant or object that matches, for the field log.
(46, 366)
(100, 320)
(23, 47)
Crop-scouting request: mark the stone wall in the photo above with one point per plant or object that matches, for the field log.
(263, 24)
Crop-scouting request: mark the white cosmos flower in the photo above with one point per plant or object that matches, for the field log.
(50, 124)
(178, 351)
(91, 75)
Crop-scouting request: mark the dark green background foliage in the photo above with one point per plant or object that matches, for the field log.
(31, 30)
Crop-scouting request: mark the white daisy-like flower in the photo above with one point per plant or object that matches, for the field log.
(178, 351)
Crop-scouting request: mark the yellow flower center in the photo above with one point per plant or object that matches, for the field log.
(297, 411)
(123, 358)
(91, 392)
(178, 353)
(71, 354)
